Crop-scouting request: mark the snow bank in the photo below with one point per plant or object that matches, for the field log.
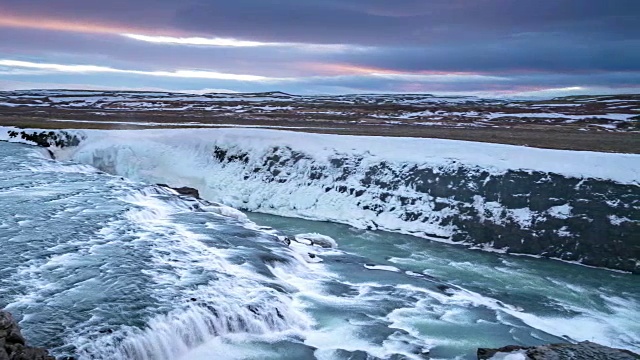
(622, 168)
(554, 203)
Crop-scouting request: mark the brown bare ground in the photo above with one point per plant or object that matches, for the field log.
(442, 120)
(531, 135)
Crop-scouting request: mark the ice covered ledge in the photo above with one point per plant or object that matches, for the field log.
(576, 206)
(621, 168)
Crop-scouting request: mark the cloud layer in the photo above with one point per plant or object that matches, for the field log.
(319, 46)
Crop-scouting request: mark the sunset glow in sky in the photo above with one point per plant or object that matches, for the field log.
(487, 47)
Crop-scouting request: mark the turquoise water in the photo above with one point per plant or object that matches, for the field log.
(503, 299)
(100, 267)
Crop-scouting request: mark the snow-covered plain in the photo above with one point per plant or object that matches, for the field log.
(617, 114)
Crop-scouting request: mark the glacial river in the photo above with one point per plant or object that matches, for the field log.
(96, 266)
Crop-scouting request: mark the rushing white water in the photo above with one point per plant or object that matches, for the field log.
(102, 267)
(106, 256)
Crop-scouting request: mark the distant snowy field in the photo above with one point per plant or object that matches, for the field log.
(600, 113)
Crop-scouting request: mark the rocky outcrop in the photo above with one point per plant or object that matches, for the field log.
(13, 345)
(582, 351)
(47, 138)
(186, 191)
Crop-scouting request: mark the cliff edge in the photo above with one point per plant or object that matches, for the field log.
(585, 350)
(13, 345)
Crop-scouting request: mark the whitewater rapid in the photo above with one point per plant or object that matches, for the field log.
(104, 272)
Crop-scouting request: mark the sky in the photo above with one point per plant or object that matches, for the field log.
(476, 47)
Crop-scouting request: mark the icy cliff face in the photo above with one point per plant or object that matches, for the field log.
(577, 206)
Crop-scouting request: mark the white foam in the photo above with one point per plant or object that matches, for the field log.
(617, 327)
(239, 301)
(382, 267)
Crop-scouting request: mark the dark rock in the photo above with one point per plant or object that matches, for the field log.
(29, 353)
(279, 314)
(288, 239)
(48, 138)
(443, 288)
(323, 242)
(15, 337)
(487, 353)
(13, 345)
(186, 191)
(582, 351)
(253, 309)
(219, 153)
(354, 355)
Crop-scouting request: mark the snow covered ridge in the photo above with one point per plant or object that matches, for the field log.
(577, 206)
